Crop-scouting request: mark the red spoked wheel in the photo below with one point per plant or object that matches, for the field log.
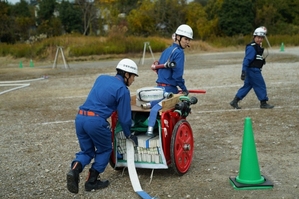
(181, 147)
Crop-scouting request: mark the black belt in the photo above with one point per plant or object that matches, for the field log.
(255, 66)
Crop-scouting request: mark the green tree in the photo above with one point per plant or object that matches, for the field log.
(279, 16)
(47, 23)
(105, 19)
(125, 6)
(71, 17)
(6, 23)
(287, 9)
(56, 27)
(202, 2)
(169, 14)
(21, 9)
(212, 9)
(266, 15)
(236, 17)
(89, 14)
(196, 18)
(141, 21)
(288, 22)
(23, 19)
(45, 10)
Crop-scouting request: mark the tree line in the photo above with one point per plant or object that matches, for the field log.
(23, 21)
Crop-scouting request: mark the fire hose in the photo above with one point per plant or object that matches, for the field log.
(148, 94)
(132, 172)
(18, 84)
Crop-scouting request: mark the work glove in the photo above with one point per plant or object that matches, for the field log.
(133, 139)
(243, 75)
(186, 93)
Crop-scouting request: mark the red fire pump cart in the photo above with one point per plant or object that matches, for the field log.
(173, 143)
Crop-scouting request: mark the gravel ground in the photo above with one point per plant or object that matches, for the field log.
(38, 139)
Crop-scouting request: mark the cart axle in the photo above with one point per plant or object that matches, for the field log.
(187, 147)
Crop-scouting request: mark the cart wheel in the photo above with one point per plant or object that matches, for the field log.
(181, 147)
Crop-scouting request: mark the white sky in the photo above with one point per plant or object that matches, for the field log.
(13, 1)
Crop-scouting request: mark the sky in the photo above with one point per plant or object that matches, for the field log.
(13, 1)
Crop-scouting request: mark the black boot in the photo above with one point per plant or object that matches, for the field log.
(265, 105)
(234, 103)
(92, 181)
(72, 177)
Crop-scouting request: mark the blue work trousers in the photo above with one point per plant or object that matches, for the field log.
(170, 89)
(255, 80)
(94, 136)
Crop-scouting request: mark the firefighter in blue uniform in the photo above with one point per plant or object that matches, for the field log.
(108, 94)
(252, 71)
(172, 78)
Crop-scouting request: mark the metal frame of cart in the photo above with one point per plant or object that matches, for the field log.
(176, 142)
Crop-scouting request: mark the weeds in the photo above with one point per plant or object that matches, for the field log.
(118, 43)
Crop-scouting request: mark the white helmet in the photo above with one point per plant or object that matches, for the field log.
(184, 30)
(128, 65)
(260, 31)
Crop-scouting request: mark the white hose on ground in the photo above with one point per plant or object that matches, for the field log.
(15, 88)
(18, 84)
(22, 81)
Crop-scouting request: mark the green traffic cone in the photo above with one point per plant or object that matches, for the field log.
(249, 174)
(282, 47)
(31, 63)
(249, 165)
(21, 64)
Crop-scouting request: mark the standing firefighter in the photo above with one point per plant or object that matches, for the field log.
(170, 78)
(252, 71)
(108, 94)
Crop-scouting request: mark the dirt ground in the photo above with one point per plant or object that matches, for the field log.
(38, 139)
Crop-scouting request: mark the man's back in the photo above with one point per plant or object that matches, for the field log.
(105, 94)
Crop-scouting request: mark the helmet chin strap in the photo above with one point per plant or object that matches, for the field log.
(179, 40)
(127, 79)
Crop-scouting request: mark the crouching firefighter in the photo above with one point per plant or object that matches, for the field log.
(108, 94)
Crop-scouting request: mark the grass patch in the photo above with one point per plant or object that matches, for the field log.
(81, 46)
